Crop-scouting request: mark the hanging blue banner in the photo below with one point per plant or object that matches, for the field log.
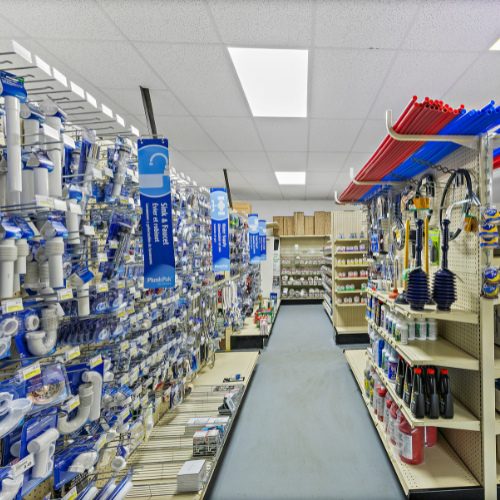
(253, 238)
(262, 239)
(156, 203)
(220, 229)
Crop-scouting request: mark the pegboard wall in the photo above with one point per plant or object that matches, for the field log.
(345, 223)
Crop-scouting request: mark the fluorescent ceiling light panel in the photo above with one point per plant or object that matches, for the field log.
(77, 90)
(134, 130)
(496, 45)
(120, 120)
(43, 65)
(21, 51)
(91, 100)
(291, 178)
(274, 80)
(60, 77)
(106, 110)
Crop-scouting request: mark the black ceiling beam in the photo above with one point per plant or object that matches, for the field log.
(148, 111)
(229, 199)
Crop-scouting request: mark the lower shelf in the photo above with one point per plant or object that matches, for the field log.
(327, 309)
(442, 471)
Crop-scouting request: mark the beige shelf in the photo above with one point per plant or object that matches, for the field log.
(306, 236)
(497, 361)
(352, 265)
(341, 330)
(350, 279)
(439, 352)
(357, 290)
(300, 284)
(441, 469)
(327, 311)
(300, 298)
(350, 239)
(429, 311)
(463, 418)
(350, 305)
(350, 253)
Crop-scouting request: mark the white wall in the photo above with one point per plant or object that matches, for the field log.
(269, 208)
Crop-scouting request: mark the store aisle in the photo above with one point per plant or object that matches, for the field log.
(303, 431)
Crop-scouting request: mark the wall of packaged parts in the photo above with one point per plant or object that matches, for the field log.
(90, 357)
(452, 337)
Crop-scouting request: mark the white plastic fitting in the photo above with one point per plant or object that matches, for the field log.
(32, 276)
(84, 462)
(23, 250)
(42, 342)
(54, 249)
(8, 327)
(108, 492)
(146, 324)
(96, 380)
(31, 132)
(5, 343)
(41, 176)
(110, 436)
(31, 323)
(55, 179)
(10, 487)
(15, 449)
(73, 223)
(124, 491)
(107, 364)
(8, 255)
(14, 172)
(82, 294)
(118, 180)
(108, 377)
(118, 464)
(43, 448)
(90, 494)
(86, 393)
(16, 411)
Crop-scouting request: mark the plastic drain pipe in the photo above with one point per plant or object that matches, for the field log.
(43, 448)
(73, 194)
(95, 379)
(122, 156)
(86, 394)
(23, 250)
(10, 487)
(42, 342)
(54, 233)
(14, 94)
(41, 165)
(9, 234)
(54, 117)
(84, 461)
(33, 118)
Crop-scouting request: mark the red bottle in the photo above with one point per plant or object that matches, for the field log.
(382, 391)
(388, 404)
(411, 443)
(393, 423)
(431, 436)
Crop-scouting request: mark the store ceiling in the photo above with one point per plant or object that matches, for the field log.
(364, 57)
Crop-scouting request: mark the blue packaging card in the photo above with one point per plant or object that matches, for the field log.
(220, 229)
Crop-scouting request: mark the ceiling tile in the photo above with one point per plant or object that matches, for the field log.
(378, 24)
(201, 76)
(70, 19)
(317, 192)
(232, 134)
(293, 192)
(203, 179)
(268, 193)
(209, 160)
(355, 161)
(261, 22)
(184, 133)
(125, 69)
(287, 161)
(345, 82)
(10, 31)
(479, 84)
(370, 137)
(236, 180)
(160, 21)
(249, 161)
(424, 74)
(333, 135)
(477, 25)
(181, 163)
(261, 178)
(343, 180)
(283, 134)
(324, 178)
(321, 162)
(244, 194)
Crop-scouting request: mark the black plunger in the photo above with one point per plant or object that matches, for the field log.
(418, 281)
(444, 290)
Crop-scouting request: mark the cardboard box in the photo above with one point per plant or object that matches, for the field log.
(298, 218)
(319, 223)
(328, 222)
(288, 224)
(278, 231)
(309, 225)
(242, 206)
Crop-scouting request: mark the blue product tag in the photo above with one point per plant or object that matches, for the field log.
(253, 224)
(262, 239)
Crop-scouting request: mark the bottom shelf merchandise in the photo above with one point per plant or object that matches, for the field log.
(422, 459)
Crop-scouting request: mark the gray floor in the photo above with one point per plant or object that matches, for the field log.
(303, 431)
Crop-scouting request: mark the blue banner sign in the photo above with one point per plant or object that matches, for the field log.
(262, 239)
(220, 229)
(253, 237)
(156, 203)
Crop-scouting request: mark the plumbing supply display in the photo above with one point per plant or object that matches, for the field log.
(220, 229)
(253, 224)
(262, 240)
(156, 203)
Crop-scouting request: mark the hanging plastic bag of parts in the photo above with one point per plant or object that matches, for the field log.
(490, 282)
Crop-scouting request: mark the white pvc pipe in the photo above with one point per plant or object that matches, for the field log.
(54, 249)
(90, 494)
(23, 250)
(41, 342)
(41, 177)
(43, 448)
(3, 189)
(82, 295)
(14, 176)
(8, 255)
(96, 380)
(73, 222)
(31, 132)
(55, 179)
(124, 491)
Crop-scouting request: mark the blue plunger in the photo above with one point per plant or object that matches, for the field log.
(417, 293)
(444, 291)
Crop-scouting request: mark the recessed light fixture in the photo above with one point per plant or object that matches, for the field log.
(21, 51)
(120, 120)
(291, 178)
(77, 90)
(60, 77)
(134, 130)
(106, 110)
(43, 65)
(496, 45)
(91, 100)
(274, 80)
